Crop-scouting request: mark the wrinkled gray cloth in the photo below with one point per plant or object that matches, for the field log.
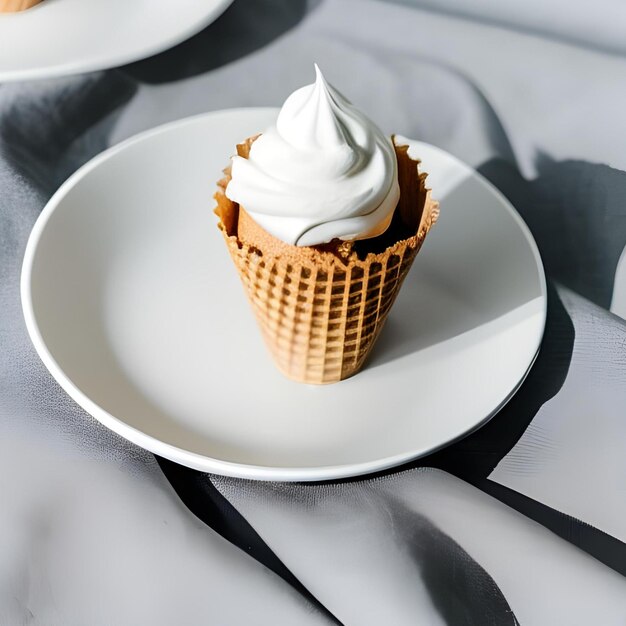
(600, 28)
(522, 523)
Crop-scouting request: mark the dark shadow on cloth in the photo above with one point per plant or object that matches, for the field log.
(46, 134)
(577, 214)
(244, 27)
(462, 591)
(200, 496)
(602, 546)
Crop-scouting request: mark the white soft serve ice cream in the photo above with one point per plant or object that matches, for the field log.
(324, 171)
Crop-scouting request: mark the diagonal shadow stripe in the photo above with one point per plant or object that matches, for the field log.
(200, 496)
(462, 591)
(605, 548)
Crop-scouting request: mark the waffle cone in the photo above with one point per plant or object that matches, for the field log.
(321, 308)
(12, 6)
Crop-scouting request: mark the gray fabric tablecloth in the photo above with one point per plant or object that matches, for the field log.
(522, 522)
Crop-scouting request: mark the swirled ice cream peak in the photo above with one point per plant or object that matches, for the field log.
(324, 171)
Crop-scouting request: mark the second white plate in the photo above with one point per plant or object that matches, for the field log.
(132, 302)
(60, 37)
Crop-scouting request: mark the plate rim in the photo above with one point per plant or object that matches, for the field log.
(195, 460)
(116, 59)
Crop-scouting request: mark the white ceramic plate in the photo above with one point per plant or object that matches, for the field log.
(133, 304)
(59, 37)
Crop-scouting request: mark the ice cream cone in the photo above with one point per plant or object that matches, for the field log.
(321, 308)
(12, 6)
